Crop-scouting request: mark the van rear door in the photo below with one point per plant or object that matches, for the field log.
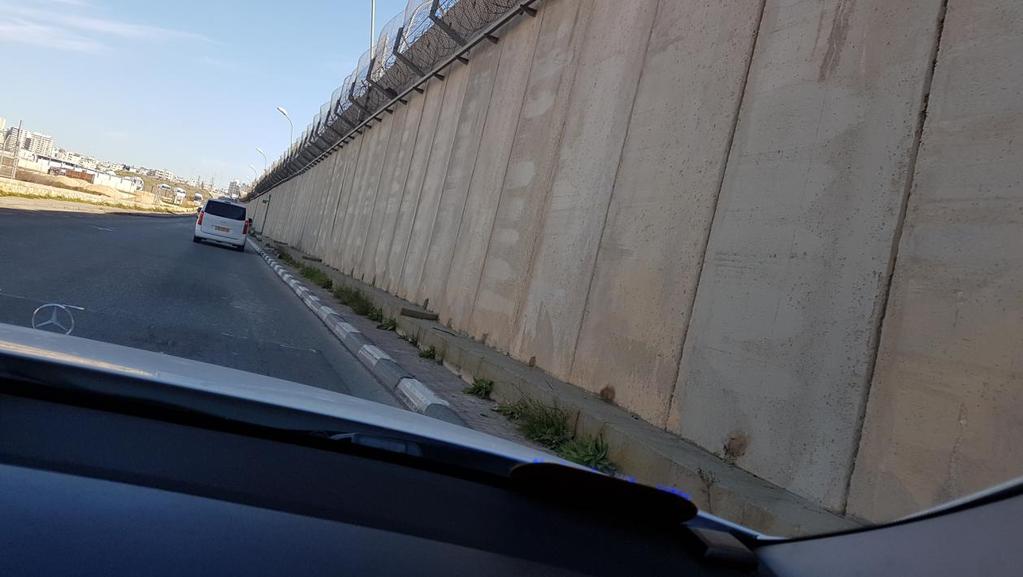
(224, 219)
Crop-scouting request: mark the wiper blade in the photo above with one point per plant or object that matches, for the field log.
(382, 442)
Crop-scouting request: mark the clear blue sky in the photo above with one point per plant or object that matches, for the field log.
(185, 85)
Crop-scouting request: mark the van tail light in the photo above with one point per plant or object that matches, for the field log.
(248, 223)
(200, 218)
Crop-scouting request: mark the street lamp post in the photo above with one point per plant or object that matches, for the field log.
(266, 201)
(260, 151)
(291, 134)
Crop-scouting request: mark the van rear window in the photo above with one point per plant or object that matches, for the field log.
(223, 209)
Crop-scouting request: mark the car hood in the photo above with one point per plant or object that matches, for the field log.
(56, 351)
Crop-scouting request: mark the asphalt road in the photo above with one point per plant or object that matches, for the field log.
(143, 283)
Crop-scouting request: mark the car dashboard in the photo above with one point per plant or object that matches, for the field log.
(86, 490)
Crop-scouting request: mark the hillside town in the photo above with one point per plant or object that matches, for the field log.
(29, 155)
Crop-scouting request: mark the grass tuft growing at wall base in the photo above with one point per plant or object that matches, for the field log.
(548, 427)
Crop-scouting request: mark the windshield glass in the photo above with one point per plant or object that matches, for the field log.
(231, 211)
(766, 255)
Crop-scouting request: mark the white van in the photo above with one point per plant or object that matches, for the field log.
(222, 221)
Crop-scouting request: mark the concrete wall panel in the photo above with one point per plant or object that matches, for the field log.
(383, 192)
(355, 186)
(380, 145)
(946, 407)
(356, 150)
(344, 170)
(429, 198)
(471, 119)
(324, 198)
(488, 175)
(395, 188)
(775, 363)
(663, 202)
(587, 160)
(531, 162)
(360, 207)
(312, 198)
(421, 152)
(332, 194)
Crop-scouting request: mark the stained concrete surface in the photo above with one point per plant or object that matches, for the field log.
(451, 207)
(432, 99)
(588, 156)
(519, 219)
(433, 183)
(775, 366)
(663, 201)
(473, 234)
(946, 406)
(594, 252)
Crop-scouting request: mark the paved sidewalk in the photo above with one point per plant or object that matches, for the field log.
(477, 414)
(650, 455)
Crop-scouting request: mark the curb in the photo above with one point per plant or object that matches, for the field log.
(409, 390)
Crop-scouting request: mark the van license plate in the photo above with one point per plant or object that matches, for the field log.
(222, 228)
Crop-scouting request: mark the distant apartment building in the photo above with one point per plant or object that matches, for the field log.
(33, 142)
(37, 143)
(3, 124)
(162, 174)
(68, 156)
(13, 138)
(237, 189)
(111, 167)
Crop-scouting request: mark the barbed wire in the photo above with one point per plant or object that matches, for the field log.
(408, 48)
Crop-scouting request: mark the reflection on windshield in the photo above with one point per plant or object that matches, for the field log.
(759, 255)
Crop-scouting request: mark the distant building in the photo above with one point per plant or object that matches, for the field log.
(13, 139)
(162, 174)
(32, 142)
(3, 124)
(37, 143)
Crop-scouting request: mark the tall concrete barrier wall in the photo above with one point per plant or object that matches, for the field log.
(786, 232)
(946, 405)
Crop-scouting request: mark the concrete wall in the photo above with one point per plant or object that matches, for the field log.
(531, 160)
(666, 188)
(795, 271)
(945, 411)
(697, 209)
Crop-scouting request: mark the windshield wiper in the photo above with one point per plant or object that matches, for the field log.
(382, 442)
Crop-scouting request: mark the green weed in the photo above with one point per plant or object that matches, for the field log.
(545, 425)
(588, 451)
(316, 275)
(512, 411)
(284, 256)
(428, 353)
(357, 302)
(480, 388)
(548, 427)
